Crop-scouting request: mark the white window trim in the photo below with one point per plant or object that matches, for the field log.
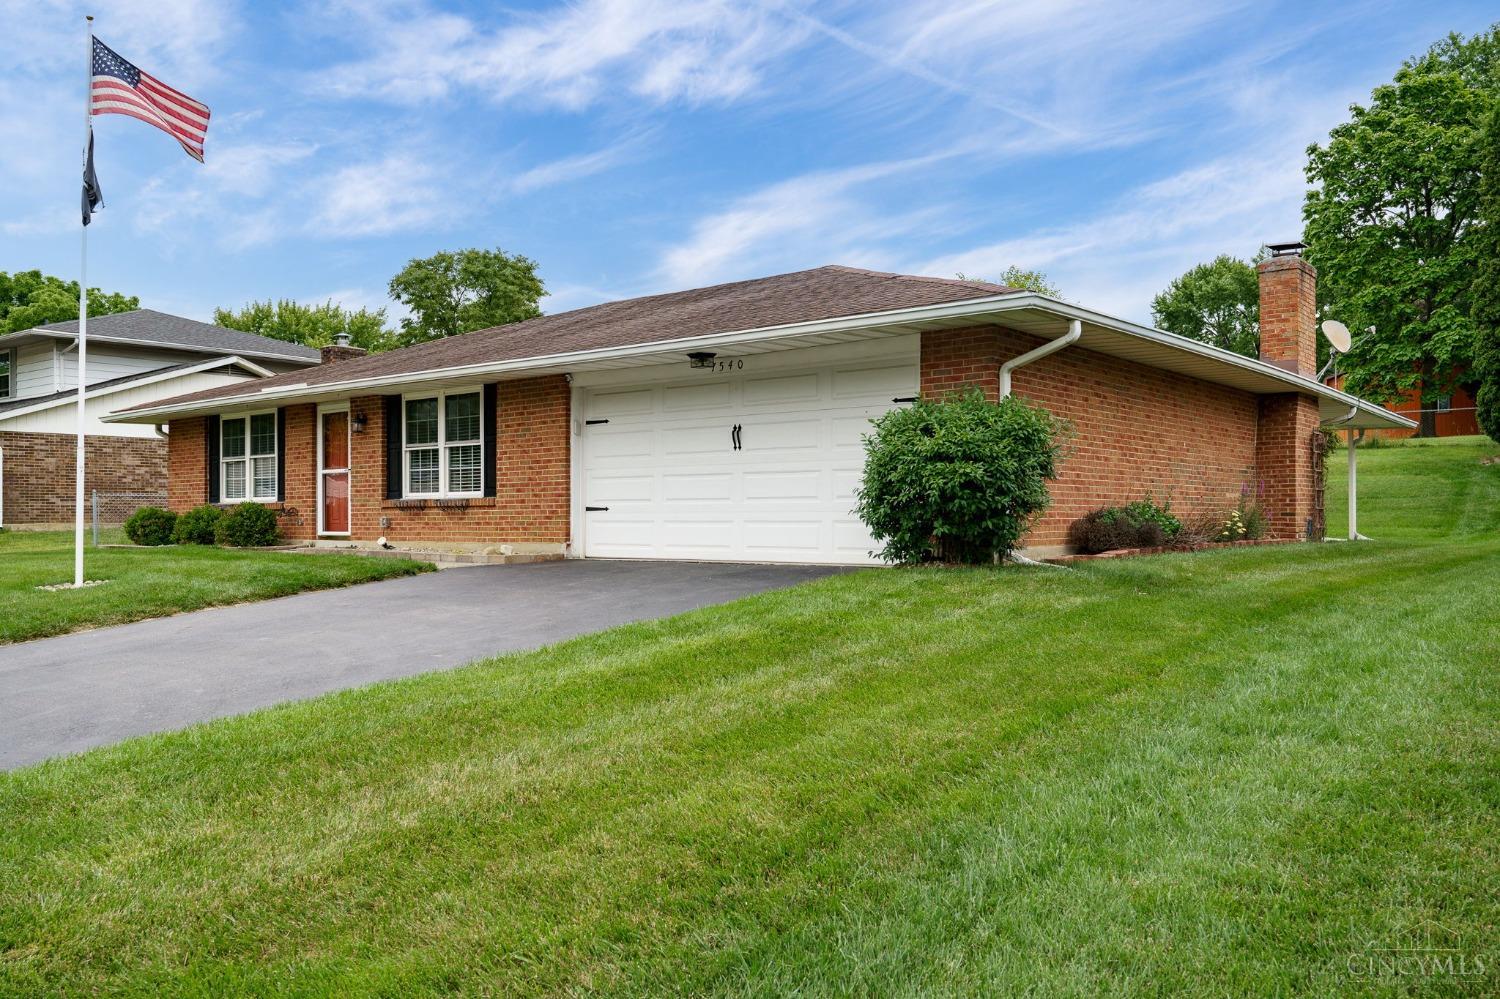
(442, 444)
(336, 407)
(249, 496)
(12, 356)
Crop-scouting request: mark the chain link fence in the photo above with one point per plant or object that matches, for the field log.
(113, 509)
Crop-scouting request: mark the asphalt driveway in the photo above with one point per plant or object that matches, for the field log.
(66, 694)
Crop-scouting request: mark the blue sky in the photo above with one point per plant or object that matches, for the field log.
(633, 147)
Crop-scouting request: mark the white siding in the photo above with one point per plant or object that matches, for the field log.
(63, 419)
(34, 374)
(109, 361)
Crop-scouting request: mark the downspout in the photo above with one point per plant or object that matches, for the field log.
(1075, 330)
(163, 431)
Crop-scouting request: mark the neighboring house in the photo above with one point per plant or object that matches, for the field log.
(1454, 415)
(133, 358)
(726, 423)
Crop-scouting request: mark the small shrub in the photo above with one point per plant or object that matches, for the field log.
(1247, 523)
(248, 525)
(151, 525)
(1113, 528)
(196, 527)
(963, 475)
(1147, 511)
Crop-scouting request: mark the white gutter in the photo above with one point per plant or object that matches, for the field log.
(969, 308)
(1075, 331)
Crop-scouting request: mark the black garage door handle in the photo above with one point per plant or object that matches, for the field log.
(590, 509)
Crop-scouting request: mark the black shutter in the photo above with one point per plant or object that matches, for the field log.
(211, 440)
(281, 455)
(490, 409)
(395, 428)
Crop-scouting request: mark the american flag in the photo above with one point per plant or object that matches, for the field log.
(119, 87)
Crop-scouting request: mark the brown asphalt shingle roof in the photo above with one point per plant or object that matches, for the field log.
(802, 296)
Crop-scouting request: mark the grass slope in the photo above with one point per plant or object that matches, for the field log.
(1219, 773)
(151, 582)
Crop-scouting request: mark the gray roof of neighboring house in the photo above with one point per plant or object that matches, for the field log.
(10, 405)
(152, 327)
(820, 293)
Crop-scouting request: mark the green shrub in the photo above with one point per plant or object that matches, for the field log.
(248, 525)
(959, 479)
(1246, 523)
(1146, 511)
(196, 527)
(1118, 527)
(151, 525)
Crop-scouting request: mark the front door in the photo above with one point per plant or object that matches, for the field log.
(333, 471)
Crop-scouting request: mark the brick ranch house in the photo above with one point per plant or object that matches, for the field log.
(134, 358)
(725, 422)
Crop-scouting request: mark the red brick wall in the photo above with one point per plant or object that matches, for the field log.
(1284, 462)
(1136, 430)
(39, 472)
(1288, 314)
(187, 473)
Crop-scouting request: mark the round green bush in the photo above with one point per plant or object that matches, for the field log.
(1115, 527)
(248, 525)
(196, 527)
(959, 479)
(151, 525)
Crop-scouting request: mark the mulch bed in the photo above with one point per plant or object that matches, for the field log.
(1202, 546)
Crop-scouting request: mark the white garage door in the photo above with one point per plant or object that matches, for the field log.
(757, 462)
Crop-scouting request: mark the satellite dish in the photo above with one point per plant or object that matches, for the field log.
(1337, 335)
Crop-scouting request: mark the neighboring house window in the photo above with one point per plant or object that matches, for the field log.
(7, 375)
(247, 458)
(444, 450)
(1444, 403)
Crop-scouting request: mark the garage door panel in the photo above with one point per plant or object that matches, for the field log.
(784, 486)
(678, 488)
(891, 382)
(683, 441)
(697, 487)
(785, 538)
(606, 444)
(629, 402)
(710, 395)
(613, 487)
(781, 390)
(786, 437)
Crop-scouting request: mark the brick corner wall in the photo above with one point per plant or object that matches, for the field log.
(1284, 463)
(40, 470)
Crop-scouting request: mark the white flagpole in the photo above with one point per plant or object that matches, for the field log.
(83, 321)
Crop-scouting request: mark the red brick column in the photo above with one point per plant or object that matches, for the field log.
(1283, 462)
(187, 464)
(1288, 314)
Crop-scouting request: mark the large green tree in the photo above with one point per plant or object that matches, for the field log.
(1217, 303)
(1391, 221)
(450, 293)
(31, 298)
(1020, 277)
(311, 325)
(1486, 291)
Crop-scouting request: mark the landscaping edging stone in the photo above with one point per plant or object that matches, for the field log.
(1164, 549)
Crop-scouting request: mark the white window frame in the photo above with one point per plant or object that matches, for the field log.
(246, 460)
(337, 407)
(443, 445)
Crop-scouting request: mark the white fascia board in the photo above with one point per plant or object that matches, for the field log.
(976, 308)
(71, 399)
(196, 348)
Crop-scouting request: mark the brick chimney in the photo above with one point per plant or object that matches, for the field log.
(1288, 309)
(340, 350)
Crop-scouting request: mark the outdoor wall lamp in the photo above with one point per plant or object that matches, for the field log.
(358, 423)
(701, 359)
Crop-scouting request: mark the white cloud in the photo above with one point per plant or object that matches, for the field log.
(396, 193)
(697, 52)
(571, 168)
(253, 168)
(804, 221)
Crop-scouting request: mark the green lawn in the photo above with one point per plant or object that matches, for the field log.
(150, 582)
(1239, 772)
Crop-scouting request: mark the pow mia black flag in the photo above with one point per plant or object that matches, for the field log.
(92, 198)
